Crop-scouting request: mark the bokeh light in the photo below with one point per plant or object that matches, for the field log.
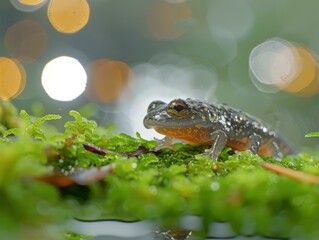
(234, 16)
(12, 78)
(25, 40)
(162, 80)
(306, 82)
(107, 80)
(165, 19)
(196, 49)
(31, 2)
(68, 16)
(28, 5)
(280, 65)
(64, 78)
(175, 1)
(261, 64)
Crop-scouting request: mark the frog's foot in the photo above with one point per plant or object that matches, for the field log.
(255, 147)
(276, 150)
(254, 143)
(219, 138)
(166, 142)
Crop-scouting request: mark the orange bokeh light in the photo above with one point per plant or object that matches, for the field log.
(12, 78)
(25, 40)
(305, 83)
(30, 2)
(164, 19)
(68, 16)
(107, 80)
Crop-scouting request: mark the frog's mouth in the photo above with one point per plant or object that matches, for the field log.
(168, 122)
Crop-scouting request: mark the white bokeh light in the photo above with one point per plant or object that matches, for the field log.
(163, 81)
(273, 63)
(64, 78)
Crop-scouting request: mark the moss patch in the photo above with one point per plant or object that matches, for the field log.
(162, 185)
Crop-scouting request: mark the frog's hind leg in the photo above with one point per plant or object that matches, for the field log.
(277, 152)
(272, 149)
(219, 139)
(269, 148)
(254, 143)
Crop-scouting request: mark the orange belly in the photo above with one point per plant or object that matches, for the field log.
(200, 136)
(242, 144)
(195, 134)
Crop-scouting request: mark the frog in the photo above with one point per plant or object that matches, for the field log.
(216, 125)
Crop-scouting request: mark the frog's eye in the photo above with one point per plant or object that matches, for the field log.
(155, 105)
(178, 108)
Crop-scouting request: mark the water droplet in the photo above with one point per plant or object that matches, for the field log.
(215, 186)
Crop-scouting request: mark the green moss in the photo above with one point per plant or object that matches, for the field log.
(163, 185)
(73, 236)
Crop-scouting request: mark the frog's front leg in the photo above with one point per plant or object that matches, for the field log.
(166, 142)
(254, 143)
(219, 139)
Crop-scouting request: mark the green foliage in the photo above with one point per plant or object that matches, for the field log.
(80, 125)
(312, 134)
(8, 116)
(163, 186)
(125, 143)
(74, 236)
(29, 127)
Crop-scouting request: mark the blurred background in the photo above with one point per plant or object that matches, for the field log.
(115, 57)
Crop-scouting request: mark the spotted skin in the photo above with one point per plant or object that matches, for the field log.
(216, 125)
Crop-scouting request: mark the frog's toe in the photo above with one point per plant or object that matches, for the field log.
(165, 142)
(211, 154)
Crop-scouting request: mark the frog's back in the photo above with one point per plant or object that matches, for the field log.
(240, 126)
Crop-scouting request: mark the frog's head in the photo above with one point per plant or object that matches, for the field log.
(178, 113)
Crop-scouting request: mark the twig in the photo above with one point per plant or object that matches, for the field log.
(300, 176)
(103, 152)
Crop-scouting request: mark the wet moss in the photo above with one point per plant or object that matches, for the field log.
(160, 185)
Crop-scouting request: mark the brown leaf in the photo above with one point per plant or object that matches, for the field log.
(80, 177)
